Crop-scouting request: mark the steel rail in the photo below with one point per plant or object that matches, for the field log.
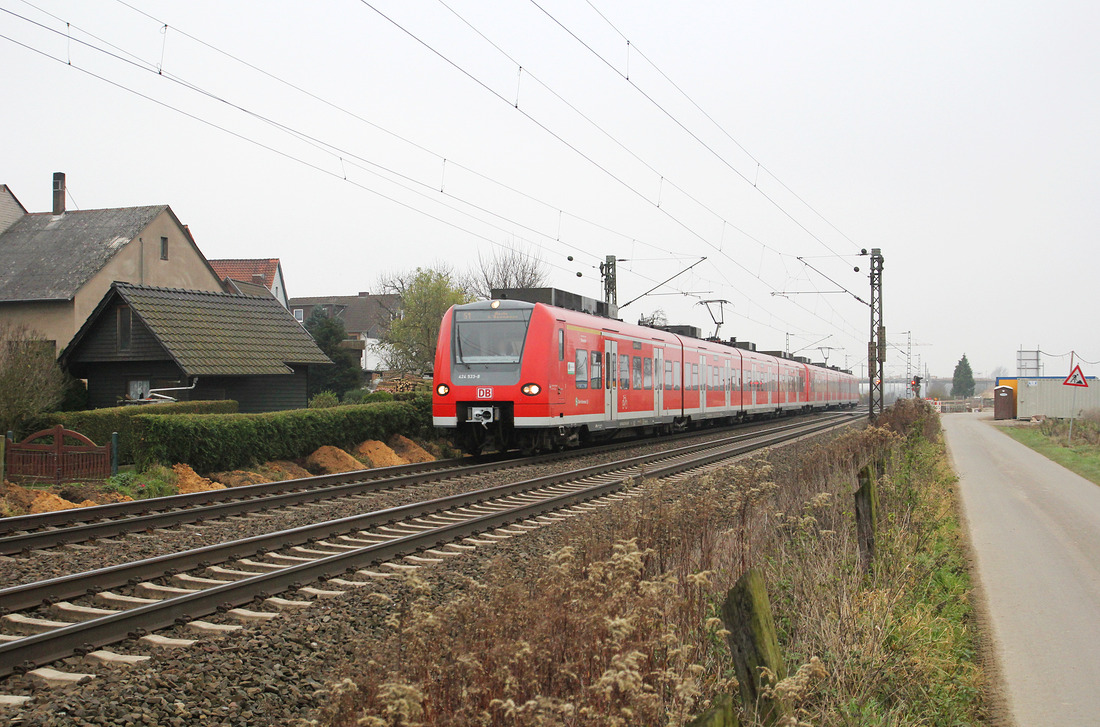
(31, 594)
(60, 518)
(192, 508)
(44, 648)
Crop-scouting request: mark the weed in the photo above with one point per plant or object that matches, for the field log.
(156, 481)
(622, 626)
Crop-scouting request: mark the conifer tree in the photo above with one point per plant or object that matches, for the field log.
(962, 384)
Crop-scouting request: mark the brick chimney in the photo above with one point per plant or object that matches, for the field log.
(59, 193)
(257, 279)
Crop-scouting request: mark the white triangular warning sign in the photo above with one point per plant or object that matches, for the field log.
(1076, 378)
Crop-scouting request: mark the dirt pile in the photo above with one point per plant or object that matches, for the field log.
(378, 454)
(17, 499)
(409, 450)
(187, 481)
(49, 502)
(238, 478)
(282, 469)
(332, 460)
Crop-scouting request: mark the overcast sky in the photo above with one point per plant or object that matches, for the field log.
(351, 139)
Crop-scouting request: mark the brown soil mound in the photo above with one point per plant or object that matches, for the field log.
(49, 502)
(106, 498)
(187, 481)
(238, 478)
(409, 450)
(19, 498)
(331, 460)
(379, 454)
(87, 503)
(282, 469)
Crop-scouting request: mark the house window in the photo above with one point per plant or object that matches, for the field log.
(137, 388)
(299, 315)
(124, 328)
(164, 248)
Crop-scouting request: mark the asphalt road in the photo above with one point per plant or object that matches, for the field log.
(1035, 530)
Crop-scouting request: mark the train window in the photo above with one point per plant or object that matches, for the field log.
(637, 370)
(489, 337)
(668, 375)
(647, 373)
(561, 344)
(596, 371)
(695, 377)
(582, 368)
(676, 375)
(624, 371)
(714, 377)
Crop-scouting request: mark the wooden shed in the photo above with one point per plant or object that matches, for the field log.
(193, 345)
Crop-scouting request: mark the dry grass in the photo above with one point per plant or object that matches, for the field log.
(621, 626)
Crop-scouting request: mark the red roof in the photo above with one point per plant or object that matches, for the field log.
(244, 269)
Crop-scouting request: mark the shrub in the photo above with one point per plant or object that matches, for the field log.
(97, 424)
(355, 396)
(324, 400)
(213, 442)
(30, 380)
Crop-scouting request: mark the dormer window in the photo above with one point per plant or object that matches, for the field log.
(164, 248)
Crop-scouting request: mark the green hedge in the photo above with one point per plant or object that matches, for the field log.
(422, 402)
(214, 442)
(97, 424)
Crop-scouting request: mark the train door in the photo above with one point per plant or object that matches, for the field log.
(702, 380)
(727, 383)
(658, 389)
(557, 386)
(610, 387)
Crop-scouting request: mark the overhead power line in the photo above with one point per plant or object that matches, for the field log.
(683, 126)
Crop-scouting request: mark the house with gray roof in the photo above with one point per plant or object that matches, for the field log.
(366, 319)
(193, 345)
(55, 267)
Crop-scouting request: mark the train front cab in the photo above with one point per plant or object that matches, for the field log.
(486, 375)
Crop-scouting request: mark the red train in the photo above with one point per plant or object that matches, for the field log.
(511, 374)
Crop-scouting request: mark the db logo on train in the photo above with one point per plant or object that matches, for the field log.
(485, 392)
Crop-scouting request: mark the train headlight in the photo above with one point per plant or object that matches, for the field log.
(442, 389)
(531, 389)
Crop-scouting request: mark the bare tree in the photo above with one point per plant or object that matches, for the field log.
(506, 268)
(656, 319)
(30, 379)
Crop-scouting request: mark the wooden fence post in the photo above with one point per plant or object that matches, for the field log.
(114, 453)
(747, 615)
(721, 714)
(3, 458)
(866, 516)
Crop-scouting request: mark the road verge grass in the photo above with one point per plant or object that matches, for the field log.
(1052, 441)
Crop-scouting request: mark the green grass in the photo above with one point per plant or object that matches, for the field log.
(1082, 458)
(155, 482)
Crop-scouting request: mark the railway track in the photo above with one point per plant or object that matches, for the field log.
(181, 589)
(23, 534)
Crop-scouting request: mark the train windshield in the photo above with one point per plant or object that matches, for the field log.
(490, 336)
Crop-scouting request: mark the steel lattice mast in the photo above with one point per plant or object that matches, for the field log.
(876, 348)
